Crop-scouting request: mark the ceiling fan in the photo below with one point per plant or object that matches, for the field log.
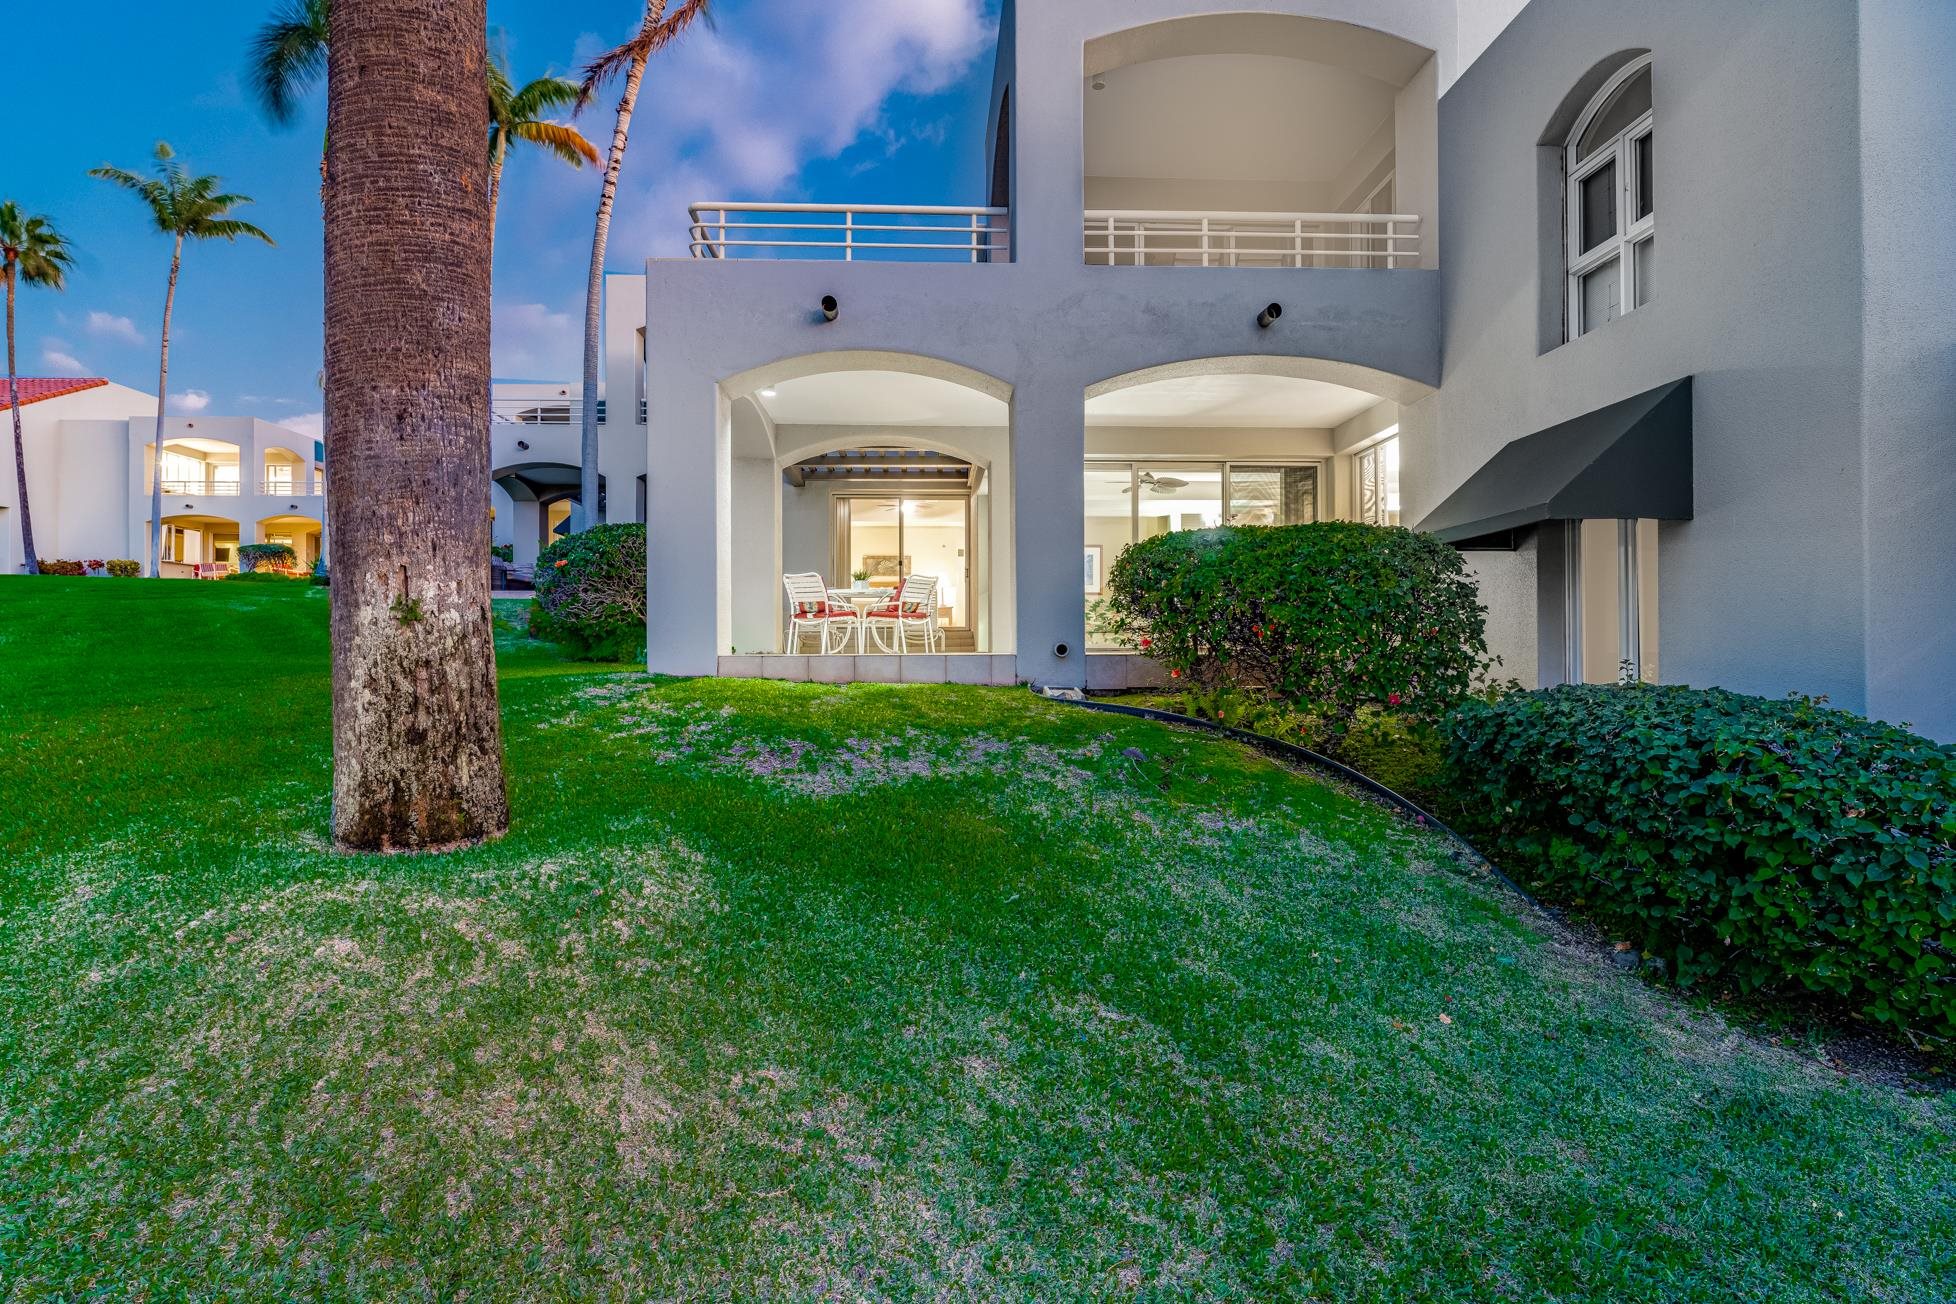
(1164, 484)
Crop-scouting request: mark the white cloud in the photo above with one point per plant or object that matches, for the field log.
(736, 112)
(189, 401)
(108, 326)
(536, 342)
(61, 363)
(310, 424)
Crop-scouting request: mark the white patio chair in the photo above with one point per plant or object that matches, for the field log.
(811, 612)
(914, 611)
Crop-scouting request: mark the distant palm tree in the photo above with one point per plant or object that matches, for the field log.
(183, 207)
(32, 252)
(417, 738)
(517, 115)
(656, 30)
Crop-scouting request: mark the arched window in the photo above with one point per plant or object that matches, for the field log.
(1611, 213)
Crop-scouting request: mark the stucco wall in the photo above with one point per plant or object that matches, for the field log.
(1758, 295)
(1908, 347)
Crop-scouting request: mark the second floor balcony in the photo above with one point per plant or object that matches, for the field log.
(1135, 237)
(851, 233)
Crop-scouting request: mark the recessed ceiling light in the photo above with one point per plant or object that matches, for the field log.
(770, 393)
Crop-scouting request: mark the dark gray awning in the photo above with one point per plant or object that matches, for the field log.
(1630, 459)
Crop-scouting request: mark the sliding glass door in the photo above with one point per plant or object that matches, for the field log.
(892, 537)
(1129, 501)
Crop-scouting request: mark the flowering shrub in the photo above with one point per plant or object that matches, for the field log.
(123, 568)
(266, 556)
(58, 567)
(1332, 617)
(1763, 844)
(591, 594)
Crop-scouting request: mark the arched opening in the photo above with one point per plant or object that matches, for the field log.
(299, 533)
(194, 467)
(532, 505)
(868, 470)
(198, 545)
(1230, 441)
(1266, 140)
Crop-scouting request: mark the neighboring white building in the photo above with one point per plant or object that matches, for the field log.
(226, 480)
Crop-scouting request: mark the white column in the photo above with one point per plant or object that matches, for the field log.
(689, 537)
(1049, 446)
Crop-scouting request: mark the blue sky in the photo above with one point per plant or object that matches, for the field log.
(866, 101)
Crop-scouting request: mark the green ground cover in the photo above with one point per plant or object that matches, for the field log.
(786, 990)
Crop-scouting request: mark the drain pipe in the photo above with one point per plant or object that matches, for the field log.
(1304, 756)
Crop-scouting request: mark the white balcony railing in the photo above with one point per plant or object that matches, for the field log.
(880, 232)
(203, 488)
(1127, 237)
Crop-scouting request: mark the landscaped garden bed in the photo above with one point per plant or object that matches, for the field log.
(795, 990)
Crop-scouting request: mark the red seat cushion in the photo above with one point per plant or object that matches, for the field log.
(889, 613)
(824, 611)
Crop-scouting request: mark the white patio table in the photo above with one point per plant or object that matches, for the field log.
(862, 600)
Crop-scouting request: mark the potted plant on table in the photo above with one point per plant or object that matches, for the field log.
(862, 580)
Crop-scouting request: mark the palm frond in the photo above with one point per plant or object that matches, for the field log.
(561, 139)
(30, 244)
(227, 228)
(540, 96)
(651, 38)
(288, 57)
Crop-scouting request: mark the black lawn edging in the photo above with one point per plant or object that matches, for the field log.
(1317, 760)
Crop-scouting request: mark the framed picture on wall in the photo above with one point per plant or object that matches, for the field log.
(1094, 580)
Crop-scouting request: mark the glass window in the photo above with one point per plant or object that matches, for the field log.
(1598, 206)
(1601, 295)
(1273, 495)
(1378, 483)
(1645, 183)
(1611, 203)
(1627, 103)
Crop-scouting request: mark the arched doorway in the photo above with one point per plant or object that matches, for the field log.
(534, 505)
(886, 465)
(194, 540)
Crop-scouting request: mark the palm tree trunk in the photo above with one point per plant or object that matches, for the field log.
(594, 286)
(20, 451)
(417, 742)
(162, 400)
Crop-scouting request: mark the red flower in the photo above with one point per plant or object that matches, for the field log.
(1392, 699)
(1174, 674)
(563, 563)
(1147, 643)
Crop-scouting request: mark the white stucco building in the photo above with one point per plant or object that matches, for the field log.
(1728, 465)
(226, 480)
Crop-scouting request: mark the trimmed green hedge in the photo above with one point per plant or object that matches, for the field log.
(1333, 616)
(254, 556)
(591, 594)
(1765, 845)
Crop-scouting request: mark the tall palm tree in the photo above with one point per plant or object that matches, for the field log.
(656, 30)
(32, 252)
(417, 742)
(516, 114)
(183, 207)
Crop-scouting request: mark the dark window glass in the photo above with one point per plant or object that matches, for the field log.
(1598, 206)
(1644, 180)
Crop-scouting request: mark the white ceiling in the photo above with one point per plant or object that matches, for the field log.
(1231, 117)
(880, 398)
(1275, 402)
(874, 399)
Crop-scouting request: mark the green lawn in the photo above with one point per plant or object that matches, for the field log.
(783, 990)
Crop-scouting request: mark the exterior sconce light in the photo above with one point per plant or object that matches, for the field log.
(831, 309)
(1269, 315)
(523, 444)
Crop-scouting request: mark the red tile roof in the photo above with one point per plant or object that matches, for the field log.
(34, 389)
